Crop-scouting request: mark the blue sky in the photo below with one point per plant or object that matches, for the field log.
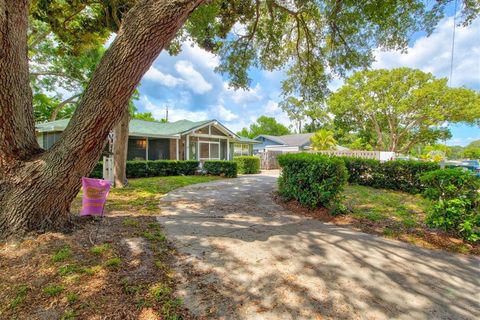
(188, 85)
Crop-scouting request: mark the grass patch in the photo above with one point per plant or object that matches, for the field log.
(21, 294)
(113, 263)
(92, 270)
(72, 297)
(160, 292)
(53, 290)
(69, 315)
(378, 205)
(100, 249)
(154, 236)
(129, 222)
(68, 269)
(62, 254)
(143, 194)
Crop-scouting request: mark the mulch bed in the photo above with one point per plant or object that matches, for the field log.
(130, 279)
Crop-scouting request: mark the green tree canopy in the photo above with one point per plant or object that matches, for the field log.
(309, 116)
(323, 140)
(400, 108)
(264, 125)
(314, 40)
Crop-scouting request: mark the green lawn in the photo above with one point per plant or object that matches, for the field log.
(398, 215)
(379, 205)
(143, 194)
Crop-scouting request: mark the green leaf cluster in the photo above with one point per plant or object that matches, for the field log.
(456, 204)
(264, 125)
(395, 110)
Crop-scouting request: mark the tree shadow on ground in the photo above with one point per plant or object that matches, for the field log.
(243, 256)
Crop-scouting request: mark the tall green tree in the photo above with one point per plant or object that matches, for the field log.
(323, 140)
(309, 116)
(397, 109)
(264, 125)
(294, 108)
(312, 38)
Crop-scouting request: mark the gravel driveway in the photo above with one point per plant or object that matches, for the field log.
(241, 256)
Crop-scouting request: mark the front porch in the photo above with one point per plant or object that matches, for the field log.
(210, 142)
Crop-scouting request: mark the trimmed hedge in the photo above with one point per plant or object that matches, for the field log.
(401, 175)
(314, 180)
(221, 168)
(97, 172)
(163, 168)
(157, 168)
(456, 202)
(248, 164)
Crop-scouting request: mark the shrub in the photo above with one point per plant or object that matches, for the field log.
(248, 164)
(456, 206)
(221, 168)
(314, 180)
(157, 168)
(187, 168)
(97, 172)
(401, 175)
(137, 169)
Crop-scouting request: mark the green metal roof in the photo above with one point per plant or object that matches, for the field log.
(151, 128)
(145, 128)
(247, 140)
(58, 125)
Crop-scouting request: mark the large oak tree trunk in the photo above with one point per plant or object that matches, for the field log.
(120, 146)
(36, 186)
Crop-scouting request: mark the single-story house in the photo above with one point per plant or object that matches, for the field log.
(179, 140)
(285, 143)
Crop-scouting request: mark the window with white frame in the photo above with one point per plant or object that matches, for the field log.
(209, 150)
(241, 149)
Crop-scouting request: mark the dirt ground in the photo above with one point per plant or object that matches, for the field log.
(243, 256)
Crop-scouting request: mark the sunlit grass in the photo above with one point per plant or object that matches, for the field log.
(380, 204)
(143, 194)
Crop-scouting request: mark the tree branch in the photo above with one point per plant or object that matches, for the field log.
(52, 73)
(146, 29)
(62, 104)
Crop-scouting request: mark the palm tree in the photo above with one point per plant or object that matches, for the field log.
(323, 140)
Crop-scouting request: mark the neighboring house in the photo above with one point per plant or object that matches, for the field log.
(179, 140)
(285, 143)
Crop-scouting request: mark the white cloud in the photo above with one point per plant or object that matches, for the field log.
(165, 79)
(192, 78)
(222, 113)
(241, 96)
(200, 56)
(271, 107)
(433, 54)
(175, 112)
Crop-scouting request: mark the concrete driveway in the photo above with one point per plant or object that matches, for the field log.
(241, 256)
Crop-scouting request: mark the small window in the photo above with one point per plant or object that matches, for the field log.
(241, 149)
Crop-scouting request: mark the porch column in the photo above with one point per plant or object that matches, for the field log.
(187, 155)
(146, 150)
(176, 149)
(228, 149)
